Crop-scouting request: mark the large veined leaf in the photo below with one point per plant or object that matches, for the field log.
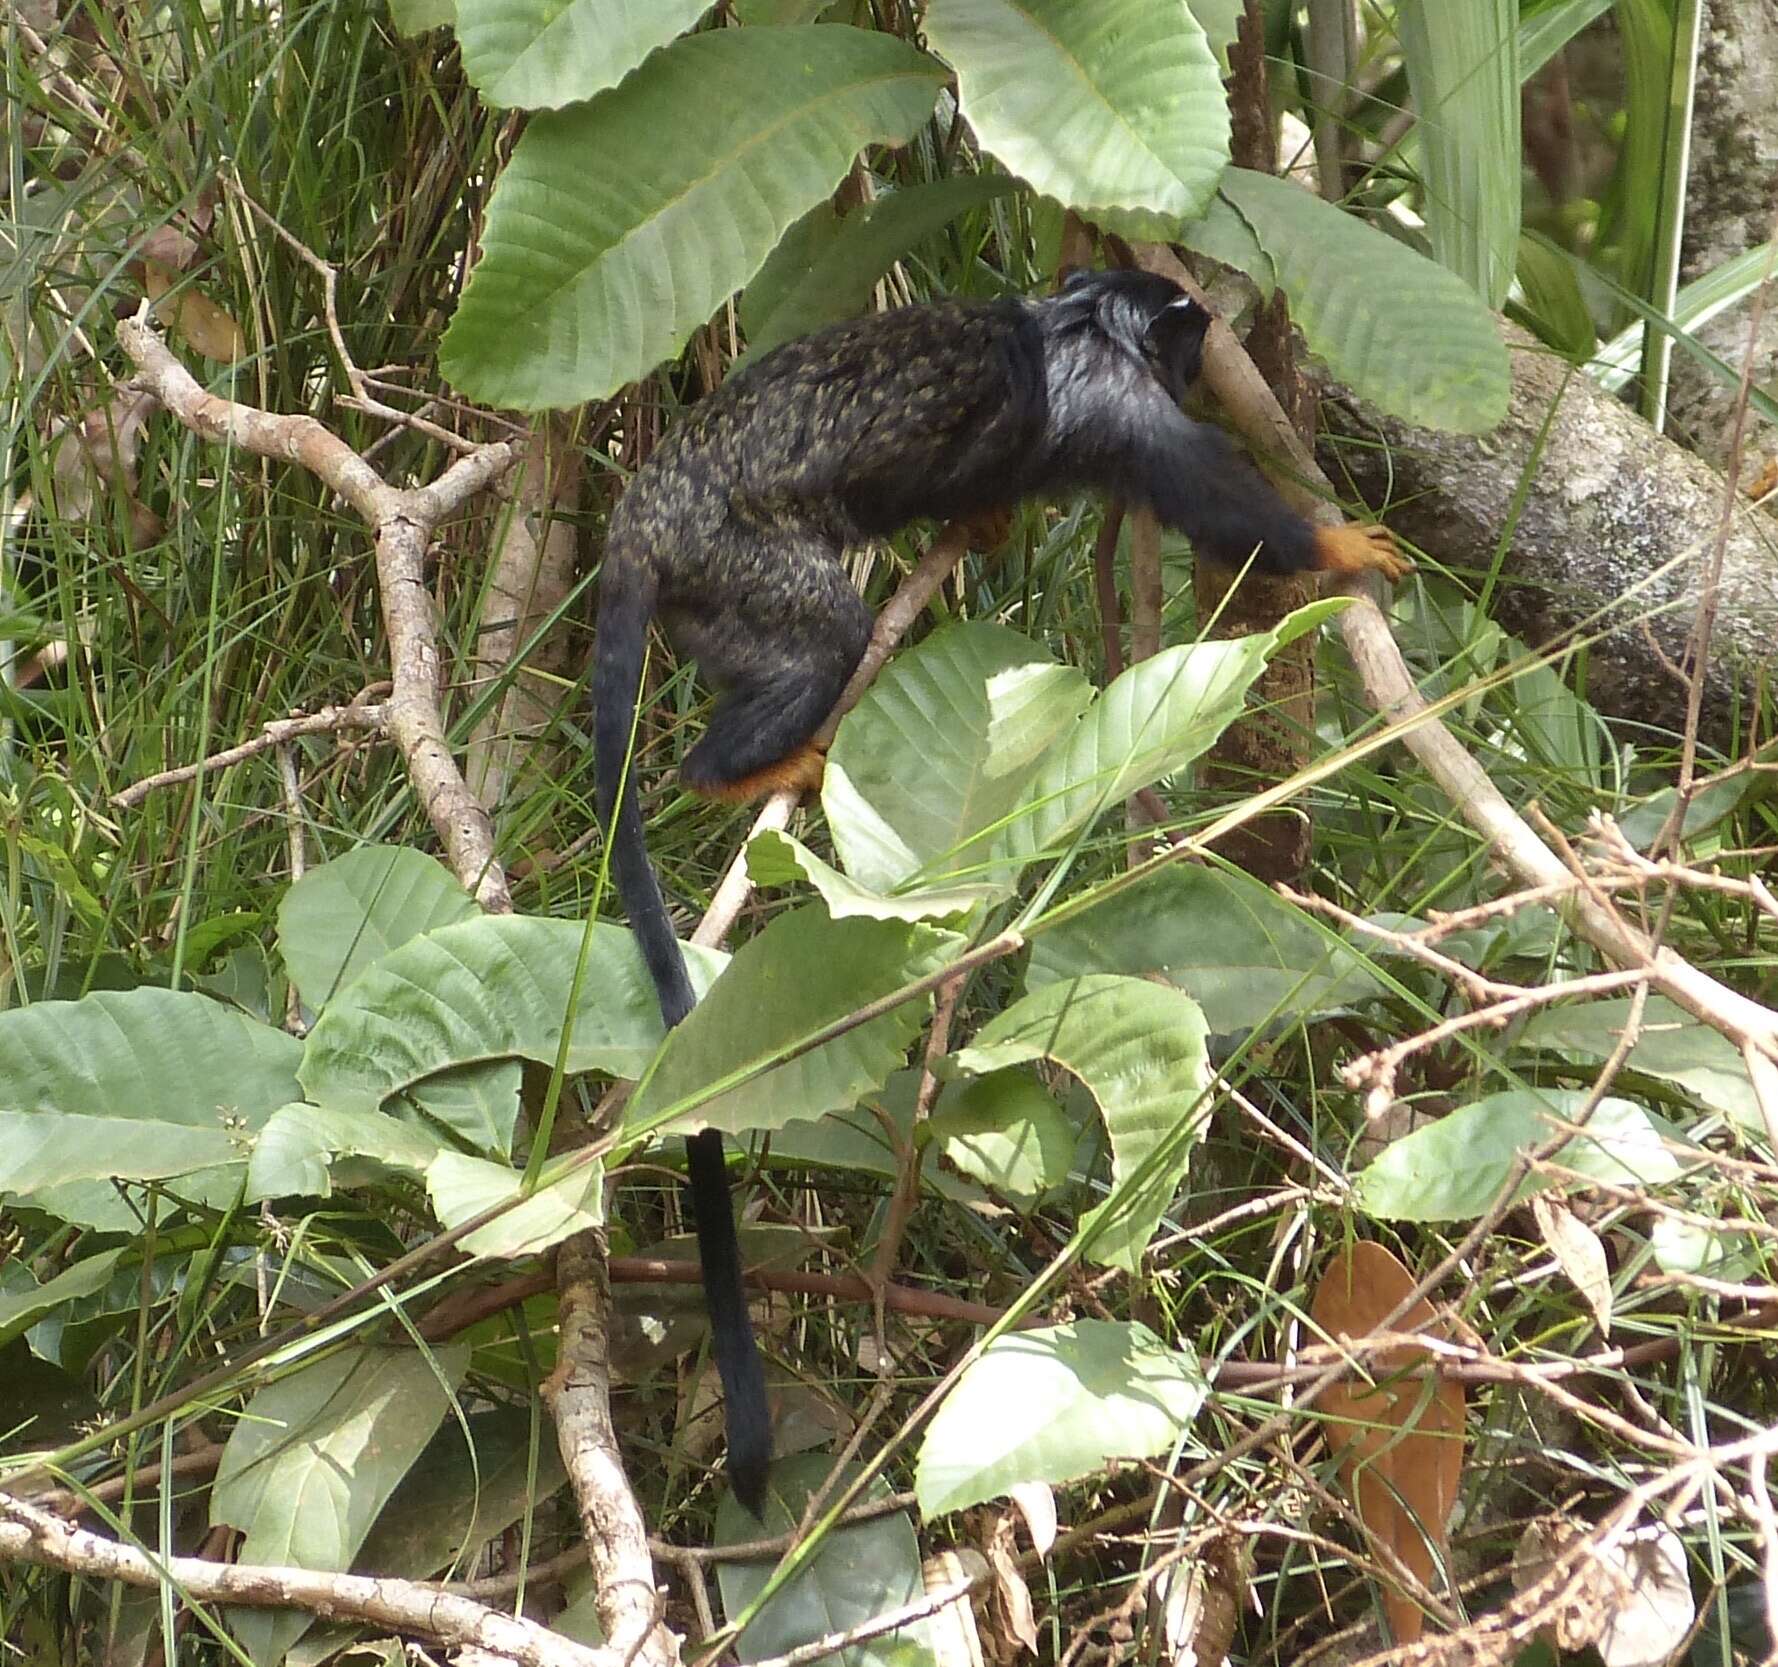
(1235, 946)
(941, 749)
(1452, 1169)
(462, 1186)
(620, 225)
(297, 1149)
(166, 1056)
(1111, 106)
(1052, 1405)
(1396, 327)
(312, 1458)
(39, 1150)
(828, 271)
(861, 1570)
(1153, 720)
(802, 972)
(542, 54)
(1670, 1044)
(775, 859)
(341, 917)
(23, 1308)
(1462, 63)
(489, 988)
(1139, 1050)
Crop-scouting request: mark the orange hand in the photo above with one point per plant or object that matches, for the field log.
(1360, 549)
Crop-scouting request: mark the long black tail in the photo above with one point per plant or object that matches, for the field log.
(626, 603)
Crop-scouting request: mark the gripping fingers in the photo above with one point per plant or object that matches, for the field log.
(1360, 549)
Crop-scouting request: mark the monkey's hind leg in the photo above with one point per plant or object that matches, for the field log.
(780, 679)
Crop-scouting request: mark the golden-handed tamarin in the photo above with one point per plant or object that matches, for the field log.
(732, 535)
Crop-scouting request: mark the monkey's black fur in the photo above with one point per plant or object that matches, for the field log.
(732, 535)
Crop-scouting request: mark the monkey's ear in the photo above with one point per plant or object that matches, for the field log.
(1173, 343)
(1071, 278)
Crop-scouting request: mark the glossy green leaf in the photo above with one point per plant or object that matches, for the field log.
(1114, 107)
(1236, 947)
(1453, 1169)
(1053, 1405)
(542, 54)
(299, 1145)
(940, 750)
(495, 987)
(1395, 327)
(347, 914)
(1152, 721)
(23, 1308)
(767, 999)
(620, 225)
(462, 1186)
(775, 859)
(1139, 1050)
(1006, 1131)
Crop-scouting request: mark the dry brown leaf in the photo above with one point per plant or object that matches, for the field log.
(1201, 1604)
(192, 315)
(1632, 1601)
(1580, 1254)
(1400, 1441)
(952, 1631)
(1011, 1610)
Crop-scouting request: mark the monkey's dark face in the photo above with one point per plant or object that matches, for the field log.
(1173, 344)
(1147, 315)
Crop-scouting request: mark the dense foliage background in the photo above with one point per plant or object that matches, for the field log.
(1070, 1149)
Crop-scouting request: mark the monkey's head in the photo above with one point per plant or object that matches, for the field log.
(1143, 313)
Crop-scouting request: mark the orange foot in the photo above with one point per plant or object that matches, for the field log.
(799, 772)
(1359, 549)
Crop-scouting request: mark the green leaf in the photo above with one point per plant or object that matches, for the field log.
(1553, 305)
(1398, 329)
(1006, 1131)
(1152, 721)
(1053, 1405)
(1463, 67)
(775, 859)
(22, 1309)
(41, 1149)
(454, 1500)
(1550, 28)
(165, 1056)
(590, 277)
(804, 971)
(415, 17)
(1139, 1050)
(299, 1145)
(1453, 1169)
(463, 1186)
(1672, 1046)
(828, 272)
(855, 1139)
(1223, 235)
(860, 1570)
(488, 988)
(542, 54)
(940, 750)
(1235, 946)
(347, 914)
(1114, 107)
(313, 1458)
(479, 1103)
